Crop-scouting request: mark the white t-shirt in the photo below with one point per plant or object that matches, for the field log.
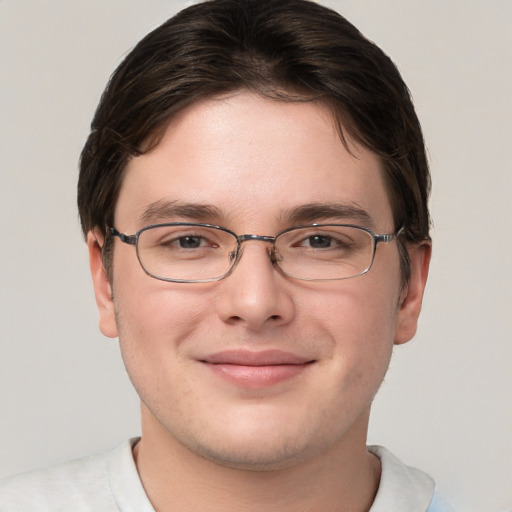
(110, 483)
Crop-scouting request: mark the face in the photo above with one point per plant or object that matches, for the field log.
(256, 370)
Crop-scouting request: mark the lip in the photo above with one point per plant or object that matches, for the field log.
(256, 369)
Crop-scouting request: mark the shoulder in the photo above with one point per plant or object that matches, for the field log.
(403, 488)
(67, 485)
(79, 485)
(439, 505)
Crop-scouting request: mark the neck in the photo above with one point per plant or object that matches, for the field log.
(345, 478)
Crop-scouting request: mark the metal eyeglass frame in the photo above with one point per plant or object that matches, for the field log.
(240, 239)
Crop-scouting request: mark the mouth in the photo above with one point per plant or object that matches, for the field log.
(253, 369)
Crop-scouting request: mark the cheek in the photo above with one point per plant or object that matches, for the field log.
(359, 319)
(153, 332)
(149, 311)
(361, 310)
(159, 317)
(154, 323)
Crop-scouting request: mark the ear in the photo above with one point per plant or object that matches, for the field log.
(412, 295)
(102, 286)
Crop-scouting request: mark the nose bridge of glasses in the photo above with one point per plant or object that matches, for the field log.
(257, 238)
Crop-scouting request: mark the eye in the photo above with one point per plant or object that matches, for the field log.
(179, 240)
(190, 242)
(323, 241)
(319, 241)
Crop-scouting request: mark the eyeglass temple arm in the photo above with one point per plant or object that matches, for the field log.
(127, 239)
(389, 237)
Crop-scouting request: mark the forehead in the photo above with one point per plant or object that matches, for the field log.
(250, 157)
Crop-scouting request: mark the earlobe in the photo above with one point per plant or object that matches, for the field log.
(102, 285)
(412, 294)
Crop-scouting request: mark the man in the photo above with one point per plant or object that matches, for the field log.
(254, 198)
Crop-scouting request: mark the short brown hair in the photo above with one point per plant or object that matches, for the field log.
(290, 50)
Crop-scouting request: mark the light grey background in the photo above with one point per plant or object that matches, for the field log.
(446, 403)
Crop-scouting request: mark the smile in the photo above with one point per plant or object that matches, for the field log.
(252, 370)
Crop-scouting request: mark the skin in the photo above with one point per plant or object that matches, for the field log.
(298, 444)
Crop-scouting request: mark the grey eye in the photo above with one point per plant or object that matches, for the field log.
(320, 241)
(190, 242)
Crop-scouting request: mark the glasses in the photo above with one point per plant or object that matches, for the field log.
(183, 252)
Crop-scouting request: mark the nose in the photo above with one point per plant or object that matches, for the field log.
(255, 294)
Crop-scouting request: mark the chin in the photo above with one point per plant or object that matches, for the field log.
(254, 457)
(261, 446)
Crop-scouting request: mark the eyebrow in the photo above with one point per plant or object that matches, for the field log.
(169, 210)
(164, 210)
(315, 212)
